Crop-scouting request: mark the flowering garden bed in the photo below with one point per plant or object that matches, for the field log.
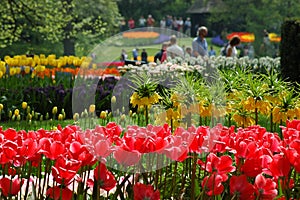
(248, 163)
(180, 138)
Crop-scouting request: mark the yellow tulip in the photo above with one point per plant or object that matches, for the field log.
(24, 105)
(70, 60)
(27, 69)
(52, 56)
(54, 110)
(1, 106)
(3, 68)
(18, 70)
(17, 112)
(60, 117)
(92, 108)
(103, 115)
(1, 74)
(113, 99)
(12, 71)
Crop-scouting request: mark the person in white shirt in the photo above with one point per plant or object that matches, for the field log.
(174, 50)
(231, 50)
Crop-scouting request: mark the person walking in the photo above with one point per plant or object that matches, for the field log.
(174, 50)
(199, 43)
(144, 56)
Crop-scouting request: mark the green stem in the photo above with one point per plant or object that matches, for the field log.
(146, 115)
(193, 176)
(174, 179)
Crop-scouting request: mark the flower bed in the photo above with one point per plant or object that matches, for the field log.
(249, 163)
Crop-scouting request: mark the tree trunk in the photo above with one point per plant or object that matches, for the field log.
(69, 46)
(68, 41)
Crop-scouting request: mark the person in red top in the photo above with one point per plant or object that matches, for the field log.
(131, 23)
(150, 21)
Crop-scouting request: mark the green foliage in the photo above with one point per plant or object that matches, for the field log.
(37, 21)
(289, 50)
(254, 16)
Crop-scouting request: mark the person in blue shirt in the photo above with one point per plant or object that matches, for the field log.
(212, 52)
(199, 43)
(135, 53)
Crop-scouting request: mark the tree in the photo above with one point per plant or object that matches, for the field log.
(67, 21)
(254, 15)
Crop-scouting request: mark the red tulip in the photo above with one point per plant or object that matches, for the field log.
(10, 151)
(10, 187)
(221, 165)
(103, 148)
(212, 184)
(58, 193)
(105, 177)
(293, 154)
(64, 170)
(143, 192)
(266, 187)
(10, 134)
(52, 149)
(279, 167)
(252, 167)
(126, 156)
(177, 149)
(241, 188)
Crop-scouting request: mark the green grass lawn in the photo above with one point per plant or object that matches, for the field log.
(153, 49)
(35, 125)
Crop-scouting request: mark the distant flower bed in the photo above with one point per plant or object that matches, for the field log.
(140, 34)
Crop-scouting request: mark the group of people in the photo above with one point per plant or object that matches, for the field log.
(169, 22)
(135, 55)
(199, 48)
(142, 22)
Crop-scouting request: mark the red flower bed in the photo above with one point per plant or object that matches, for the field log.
(248, 163)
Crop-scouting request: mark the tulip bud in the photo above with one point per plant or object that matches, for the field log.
(113, 99)
(41, 118)
(103, 115)
(134, 115)
(29, 116)
(28, 109)
(19, 117)
(10, 114)
(36, 115)
(47, 116)
(17, 112)
(13, 117)
(130, 113)
(123, 117)
(63, 113)
(60, 117)
(92, 108)
(84, 113)
(1, 106)
(76, 117)
(54, 110)
(109, 115)
(24, 105)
